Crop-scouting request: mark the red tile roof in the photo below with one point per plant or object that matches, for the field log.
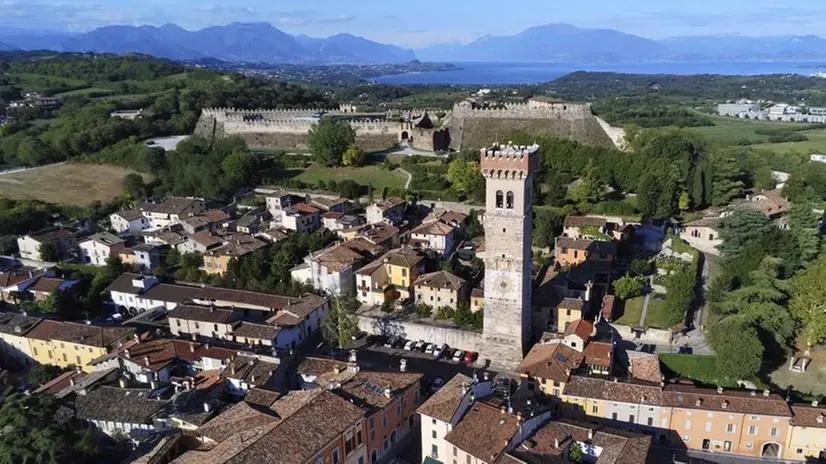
(582, 328)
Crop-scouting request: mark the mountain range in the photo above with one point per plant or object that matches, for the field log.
(261, 42)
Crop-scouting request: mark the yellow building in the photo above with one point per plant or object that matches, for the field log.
(71, 344)
(807, 437)
(14, 346)
(389, 277)
(216, 261)
(568, 311)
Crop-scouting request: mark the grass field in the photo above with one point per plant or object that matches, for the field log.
(732, 130)
(816, 143)
(71, 184)
(657, 316)
(365, 175)
(86, 91)
(633, 311)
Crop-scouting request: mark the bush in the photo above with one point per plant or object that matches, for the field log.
(444, 313)
(424, 310)
(628, 287)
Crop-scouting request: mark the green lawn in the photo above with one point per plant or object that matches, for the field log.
(815, 144)
(733, 129)
(632, 313)
(86, 91)
(364, 175)
(657, 316)
(699, 368)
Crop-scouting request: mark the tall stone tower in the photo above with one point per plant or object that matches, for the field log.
(508, 172)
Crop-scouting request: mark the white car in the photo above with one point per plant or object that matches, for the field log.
(458, 355)
(417, 346)
(439, 351)
(429, 348)
(409, 345)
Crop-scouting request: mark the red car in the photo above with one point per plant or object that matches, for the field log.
(470, 356)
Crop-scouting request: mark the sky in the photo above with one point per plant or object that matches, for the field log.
(416, 23)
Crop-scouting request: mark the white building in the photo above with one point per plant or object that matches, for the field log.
(332, 270)
(129, 221)
(818, 158)
(389, 210)
(171, 210)
(96, 249)
(301, 217)
(436, 236)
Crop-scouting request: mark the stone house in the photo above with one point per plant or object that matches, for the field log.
(251, 221)
(99, 247)
(388, 210)
(570, 252)
(131, 221)
(120, 411)
(435, 235)
(438, 289)
(301, 217)
(15, 349)
(332, 270)
(703, 234)
(63, 240)
(254, 334)
(390, 277)
(384, 235)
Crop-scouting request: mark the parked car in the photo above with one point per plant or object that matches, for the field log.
(428, 349)
(390, 342)
(470, 356)
(417, 345)
(437, 383)
(409, 345)
(458, 355)
(686, 350)
(399, 343)
(439, 351)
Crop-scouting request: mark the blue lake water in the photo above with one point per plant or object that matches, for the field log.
(532, 73)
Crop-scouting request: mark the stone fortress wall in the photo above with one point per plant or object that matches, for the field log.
(472, 127)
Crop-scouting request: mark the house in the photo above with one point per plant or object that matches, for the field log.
(150, 361)
(129, 412)
(807, 440)
(703, 234)
(250, 222)
(567, 311)
(301, 217)
(452, 218)
(216, 261)
(254, 334)
(41, 288)
(247, 372)
(76, 344)
(171, 210)
(147, 255)
(274, 234)
(381, 234)
(548, 366)
(278, 201)
(15, 281)
(213, 219)
(328, 205)
(62, 240)
(443, 411)
(570, 251)
(201, 241)
(332, 270)
(388, 210)
(130, 221)
(583, 226)
(40, 341)
(133, 293)
(331, 220)
(98, 248)
(203, 321)
(771, 203)
(552, 443)
(440, 289)
(435, 235)
(15, 349)
(390, 277)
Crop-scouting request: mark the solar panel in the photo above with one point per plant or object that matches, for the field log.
(560, 357)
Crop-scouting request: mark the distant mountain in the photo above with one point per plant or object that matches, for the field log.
(6, 47)
(33, 39)
(566, 43)
(235, 42)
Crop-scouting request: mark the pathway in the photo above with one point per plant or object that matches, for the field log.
(645, 303)
(409, 178)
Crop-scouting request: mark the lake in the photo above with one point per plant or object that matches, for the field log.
(532, 73)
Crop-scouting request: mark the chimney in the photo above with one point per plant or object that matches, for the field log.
(122, 382)
(252, 380)
(388, 393)
(207, 407)
(503, 410)
(232, 368)
(814, 403)
(403, 365)
(472, 397)
(353, 356)
(191, 347)
(556, 443)
(766, 392)
(72, 381)
(153, 384)
(486, 376)
(337, 370)
(136, 337)
(753, 393)
(719, 390)
(820, 418)
(590, 434)
(126, 354)
(464, 389)
(725, 404)
(698, 402)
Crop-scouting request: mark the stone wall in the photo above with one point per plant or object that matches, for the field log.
(649, 335)
(410, 330)
(477, 128)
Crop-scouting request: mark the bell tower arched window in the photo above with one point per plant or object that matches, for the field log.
(499, 200)
(509, 200)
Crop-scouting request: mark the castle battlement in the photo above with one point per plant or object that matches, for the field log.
(529, 110)
(509, 161)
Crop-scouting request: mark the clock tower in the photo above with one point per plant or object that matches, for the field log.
(508, 172)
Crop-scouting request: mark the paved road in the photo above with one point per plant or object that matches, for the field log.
(659, 455)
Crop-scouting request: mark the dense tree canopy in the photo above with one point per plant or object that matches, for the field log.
(330, 139)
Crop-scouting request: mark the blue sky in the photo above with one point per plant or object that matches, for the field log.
(424, 22)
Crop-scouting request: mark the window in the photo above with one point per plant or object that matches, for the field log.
(468, 459)
(650, 421)
(34, 350)
(773, 432)
(336, 458)
(77, 358)
(404, 272)
(64, 358)
(374, 456)
(434, 434)
(215, 327)
(730, 428)
(688, 425)
(749, 445)
(727, 446)
(614, 416)
(384, 421)
(799, 451)
(455, 451)
(556, 392)
(567, 312)
(631, 418)
(708, 426)
(371, 422)
(359, 438)
(499, 200)
(509, 201)
(752, 430)
(384, 442)
(434, 451)
(576, 254)
(399, 410)
(595, 409)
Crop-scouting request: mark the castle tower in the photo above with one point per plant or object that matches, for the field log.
(508, 172)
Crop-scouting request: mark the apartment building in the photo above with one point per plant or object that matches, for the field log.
(77, 344)
(131, 221)
(203, 321)
(98, 248)
(333, 269)
(301, 217)
(807, 440)
(15, 349)
(390, 277)
(440, 289)
(435, 235)
(171, 210)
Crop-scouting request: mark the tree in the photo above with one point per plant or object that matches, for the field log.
(239, 169)
(681, 287)
(423, 310)
(808, 302)
(557, 189)
(462, 174)
(698, 188)
(58, 302)
(329, 139)
(742, 228)
(547, 224)
(727, 183)
(134, 186)
(33, 151)
(684, 202)
(42, 373)
(738, 348)
(353, 156)
(575, 454)
(444, 313)
(804, 227)
(463, 317)
(341, 322)
(627, 287)
(49, 252)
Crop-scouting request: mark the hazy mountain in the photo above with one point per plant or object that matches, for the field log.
(566, 43)
(550, 43)
(236, 42)
(33, 39)
(6, 47)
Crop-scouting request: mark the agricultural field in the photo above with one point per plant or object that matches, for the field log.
(731, 131)
(65, 183)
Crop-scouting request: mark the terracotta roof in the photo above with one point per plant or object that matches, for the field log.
(104, 238)
(44, 330)
(477, 293)
(553, 361)
(644, 366)
(323, 370)
(337, 257)
(598, 353)
(582, 328)
(241, 416)
(772, 204)
(50, 284)
(327, 203)
(574, 304)
(239, 245)
(403, 257)
(216, 215)
(255, 331)
(204, 314)
(608, 390)
(713, 222)
(170, 292)
(297, 310)
(14, 277)
(685, 396)
(332, 215)
(443, 404)
(231, 295)
(90, 335)
(806, 415)
(206, 238)
(452, 217)
(303, 208)
(17, 324)
(378, 233)
(433, 228)
(130, 214)
(254, 371)
(607, 310)
(584, 221)
(127, 405)
(484, 432)
(262, 397)
(441, 279)
(51, 235)
(172, 205)
(57, 384)
(389, 203)
(376, 390)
